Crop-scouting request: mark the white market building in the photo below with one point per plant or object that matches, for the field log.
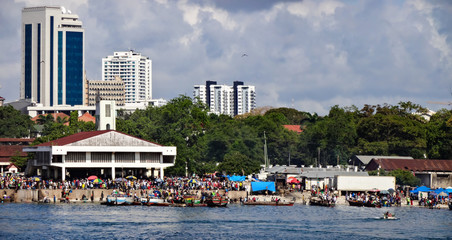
(105, 153)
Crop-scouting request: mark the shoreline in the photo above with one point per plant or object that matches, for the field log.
(36, 196)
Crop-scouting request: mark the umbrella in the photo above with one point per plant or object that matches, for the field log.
(292, 180)
(36, 179)
(97, 180)
(193, 181)
(92, 177)
(120, 179)
(443, 194)
(384, 192)
(391, 190)
(131, 177)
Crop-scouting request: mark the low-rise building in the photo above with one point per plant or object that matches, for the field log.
(10, 147)
(432, 173)
(106, 153)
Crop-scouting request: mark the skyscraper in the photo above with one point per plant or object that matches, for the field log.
(136, 72)
(52, 56)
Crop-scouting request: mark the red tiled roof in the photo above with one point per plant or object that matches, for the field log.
(417, 165)
(295, 128)
(86, 117)
(55, 116)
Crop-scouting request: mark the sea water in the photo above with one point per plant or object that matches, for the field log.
(95, 221)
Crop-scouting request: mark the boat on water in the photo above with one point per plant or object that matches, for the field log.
(192, 201)
(270, 203)
(357, 203)
(317, 201)
(217, 202)
(119, 199)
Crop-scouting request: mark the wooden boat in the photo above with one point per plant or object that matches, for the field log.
(192, 201)
(216, 202)
(357, 203)
(271, 203)
(316, 201)
(119, 199)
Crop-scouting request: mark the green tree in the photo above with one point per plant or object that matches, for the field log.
(237, 163)
(404, 177)
(439, 135)
(14, 124)
(19, 161)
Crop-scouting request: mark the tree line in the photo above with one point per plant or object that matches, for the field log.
(208, 142)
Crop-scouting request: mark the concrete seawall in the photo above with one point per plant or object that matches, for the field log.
(29, 196)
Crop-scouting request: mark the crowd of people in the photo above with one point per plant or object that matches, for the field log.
(174, 184)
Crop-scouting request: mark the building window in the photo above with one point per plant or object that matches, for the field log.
(107, 110)
(101, 157)
(28, 54)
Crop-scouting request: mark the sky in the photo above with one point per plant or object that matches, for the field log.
(308, 55)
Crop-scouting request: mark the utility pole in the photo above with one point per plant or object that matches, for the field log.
(318, 156)
(265, 151)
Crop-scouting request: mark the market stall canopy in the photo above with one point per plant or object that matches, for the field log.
(421, 189)
(263, 186)
(236, 178)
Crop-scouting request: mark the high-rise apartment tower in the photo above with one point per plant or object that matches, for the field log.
(52, 56)
(136, 72)
(223, 99)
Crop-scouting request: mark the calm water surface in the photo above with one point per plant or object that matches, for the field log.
(94, 221)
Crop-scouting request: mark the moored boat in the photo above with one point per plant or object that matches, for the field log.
(119, 199)
(358, 203)
(271, 203)
(217, 202)
(316, 201)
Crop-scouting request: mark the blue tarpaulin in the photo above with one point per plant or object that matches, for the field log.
(262, 186)
(236, 178)
(421, 189)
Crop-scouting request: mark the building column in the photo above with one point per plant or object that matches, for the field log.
(63, 173)
(161, 173)
(113, 173)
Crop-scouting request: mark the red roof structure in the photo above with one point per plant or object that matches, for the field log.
(415, 165)
(72, 138)
(55, 116)
(294, 128)
(7, 151)
(81, 136)
(86, 117)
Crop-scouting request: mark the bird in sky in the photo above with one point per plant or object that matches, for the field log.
(244, 55)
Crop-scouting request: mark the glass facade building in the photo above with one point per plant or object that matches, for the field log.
(53, 57)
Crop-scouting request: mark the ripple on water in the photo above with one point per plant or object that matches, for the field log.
(94, 221)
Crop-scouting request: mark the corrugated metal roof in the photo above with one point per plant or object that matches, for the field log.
(72, 138)
(365, 159)
(81, 136)
(331, 174)
(416, 165)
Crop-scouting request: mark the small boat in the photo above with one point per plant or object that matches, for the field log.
(192, 201)
(216, 202)
(387, 218)
(271, 203)
(358, 203)
(316, 201)
(119, 199)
